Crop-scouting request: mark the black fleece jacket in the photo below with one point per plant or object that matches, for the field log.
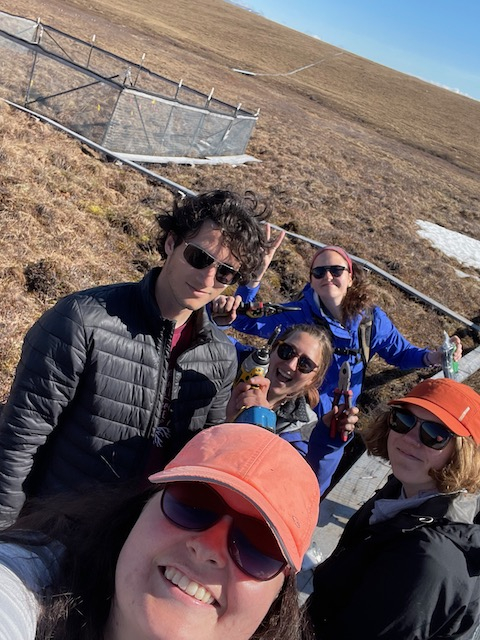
(89, 389)
(412, 577)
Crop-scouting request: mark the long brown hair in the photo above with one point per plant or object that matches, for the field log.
(359, 296)
(326, 353)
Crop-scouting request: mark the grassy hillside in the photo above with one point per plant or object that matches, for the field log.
(352, 153)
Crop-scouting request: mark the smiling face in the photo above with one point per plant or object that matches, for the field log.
(180, 288)
(285, 379)
(411, 460)
(331, 289)
(174, 584)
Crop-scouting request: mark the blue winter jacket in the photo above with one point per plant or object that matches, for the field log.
(324, 453)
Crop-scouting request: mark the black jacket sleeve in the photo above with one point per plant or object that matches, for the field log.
(53, 356)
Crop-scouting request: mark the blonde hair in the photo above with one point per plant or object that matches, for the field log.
(462, 472)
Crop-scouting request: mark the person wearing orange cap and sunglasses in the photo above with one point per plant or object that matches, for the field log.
(339, 298)
(209, 551)
(408, 562)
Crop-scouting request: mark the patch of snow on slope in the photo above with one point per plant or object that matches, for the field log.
(466, 250)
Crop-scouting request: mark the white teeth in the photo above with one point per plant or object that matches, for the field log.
(188, 586)
(183, 583)
(285, 374)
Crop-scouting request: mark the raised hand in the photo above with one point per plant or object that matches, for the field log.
(268, 255)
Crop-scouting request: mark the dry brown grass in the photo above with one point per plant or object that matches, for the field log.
(352, 153)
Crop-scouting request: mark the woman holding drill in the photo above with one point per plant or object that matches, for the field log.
(299, 359)
(338, 298)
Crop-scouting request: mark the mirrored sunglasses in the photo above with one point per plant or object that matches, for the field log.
(336, 270)
(200, 259)
(432, 434)
(286, 351)
(195, 506)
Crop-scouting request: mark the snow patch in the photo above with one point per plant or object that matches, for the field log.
(463, 248)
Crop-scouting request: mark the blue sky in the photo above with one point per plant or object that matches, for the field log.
(435, 40)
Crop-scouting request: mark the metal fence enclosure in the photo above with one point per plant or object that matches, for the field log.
(115, 103)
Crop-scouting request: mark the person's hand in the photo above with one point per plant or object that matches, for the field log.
(435, 357)
(458, 348)
(347, 419)
(223, 309)
(248, 394)
(268, 255)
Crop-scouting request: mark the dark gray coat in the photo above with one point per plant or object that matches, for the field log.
(414, 576)
(89, 389)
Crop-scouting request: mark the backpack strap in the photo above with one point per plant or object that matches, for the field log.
(365, 335)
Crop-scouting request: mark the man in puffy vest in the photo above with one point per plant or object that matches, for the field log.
(114, 380)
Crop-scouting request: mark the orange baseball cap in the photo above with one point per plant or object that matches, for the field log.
(262, 468)
(456, 405)
(339, 250)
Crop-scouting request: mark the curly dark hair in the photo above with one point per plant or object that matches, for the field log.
(238, 216)
(461, 473)
(93, 529)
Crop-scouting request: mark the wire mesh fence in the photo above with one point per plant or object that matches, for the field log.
(115, 103)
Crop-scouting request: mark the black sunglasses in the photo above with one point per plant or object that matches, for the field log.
(195, 506)
(336, 270)
(200, 259)
(285, 351)
(432, 434)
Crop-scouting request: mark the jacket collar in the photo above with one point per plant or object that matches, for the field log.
(455, 507)
(295, 409)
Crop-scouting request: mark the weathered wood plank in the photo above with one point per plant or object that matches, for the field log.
(359, 483)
